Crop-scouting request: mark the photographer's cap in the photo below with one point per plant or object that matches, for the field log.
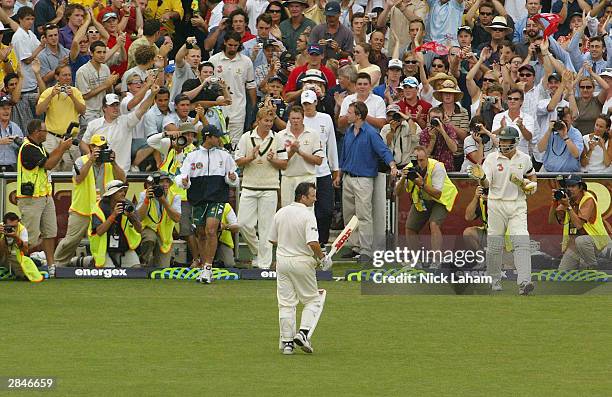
(113, 187)
(164, 175)
(187, 127)
(308, 96)
(573, 180)
(393, 108)
(211, 130)
(98, 140)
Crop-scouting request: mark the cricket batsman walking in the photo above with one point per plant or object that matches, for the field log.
(295, 233)
(510, 177)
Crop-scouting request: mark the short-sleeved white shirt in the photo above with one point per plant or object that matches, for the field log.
(498, 169)
(294, 227)
(25, 43)
(310, 142)
(239, 75)
(118, 134)
(528, 122)
(375, 104)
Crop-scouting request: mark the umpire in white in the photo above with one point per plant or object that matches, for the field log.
(298, 252)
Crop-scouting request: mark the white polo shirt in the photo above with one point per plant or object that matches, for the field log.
(25, 43)
(528, 122)
(118, 134)
(239, 75)
(375, 104)
(323, 123)
(294, 227)
(498, 169)
(310, 143)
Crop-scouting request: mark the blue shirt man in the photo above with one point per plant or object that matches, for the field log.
(558, 157)
(10, 136)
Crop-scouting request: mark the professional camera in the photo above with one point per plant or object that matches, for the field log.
(562, 192)
(559, 124)
(105, 155)
(18, 141)
(212, 89)
(181, 141)
(27, 189)
(485, 191)
(397, 117)
(9, 229)
(412, 174)
(128, 207)
(153, 180)
(436, 122)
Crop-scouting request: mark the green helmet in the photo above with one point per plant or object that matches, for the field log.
(508, 134)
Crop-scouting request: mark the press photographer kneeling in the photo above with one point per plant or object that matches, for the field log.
(584, 233)
(159, 207)
(13, 249)
(114, 232)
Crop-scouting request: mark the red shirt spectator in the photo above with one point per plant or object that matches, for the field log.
(131, 24)
(298, 71)
(418, 111)
(122, 67)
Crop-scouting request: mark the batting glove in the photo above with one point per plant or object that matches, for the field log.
(326, 263)
(528, 187)
(475, 171)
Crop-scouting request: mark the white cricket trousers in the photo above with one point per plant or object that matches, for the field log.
(512, 216)
(296, 282)
(255, 216)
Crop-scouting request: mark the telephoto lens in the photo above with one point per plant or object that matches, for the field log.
(128, 207)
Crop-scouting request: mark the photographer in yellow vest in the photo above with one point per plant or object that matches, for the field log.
(14, 248)
(114, 231)
(584, 233)
(174, 147)
(159, 208)
(90, 174)
(228, 226)
(34, 189)
(433, 196)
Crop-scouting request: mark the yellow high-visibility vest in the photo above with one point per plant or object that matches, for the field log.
(449, 190)
(27, 265)
(98, 244)
(171, 165)
(38, 176)
(162, 224)
(226, 235)
(84, 194)
(596, 230)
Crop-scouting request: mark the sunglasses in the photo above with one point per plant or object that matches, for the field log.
(514, 98)
(486, 14)
(498, 30)
(437, 65)
(92, 31)
(411, 62)
(586, 87)
(489, 80)
(135, 82)
(274, 11)
(525, 74)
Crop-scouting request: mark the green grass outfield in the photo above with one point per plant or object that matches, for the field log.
(179, 338)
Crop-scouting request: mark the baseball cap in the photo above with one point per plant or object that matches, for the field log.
(5, 100)
(314, 75)
(573, 180)
(187, 127)
(275, 78)
(164, 175)
(110, 99)
(308, 96)
(314, 49)
(170, 67)
(393, 108)
(108, 16)
(287, 57)
(211, 130)
(332, 8)
(465, 28)
(394, 63)
(527, 67)
(113, 187)
(554, 76)
(606, 73)
(98, 140)
(410, 82)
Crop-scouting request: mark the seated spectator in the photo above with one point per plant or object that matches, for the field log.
(562, 145)
(114, 232)
(597, 153)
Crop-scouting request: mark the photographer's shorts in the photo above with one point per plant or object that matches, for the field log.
(435, 212)
(39, 218)
(205, 211)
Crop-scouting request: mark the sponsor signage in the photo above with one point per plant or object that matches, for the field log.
(264, 274)
(104, 273)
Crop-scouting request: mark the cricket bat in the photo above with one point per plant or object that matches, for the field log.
(343, 236)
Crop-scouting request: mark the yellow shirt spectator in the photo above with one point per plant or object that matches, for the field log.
(61, 111)
(156, 11)
(9, 63)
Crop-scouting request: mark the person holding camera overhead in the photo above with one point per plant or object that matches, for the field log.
(159, 207)
(90, 175)
(34, 189)
(584, 233)
(114, 231)
(432, 194)
(597, 153)
(14, 249)
(561, 145)
(62, 105)
(401, 134)
(187, 60)
(11, 136)
(439, 139)
(478, 144)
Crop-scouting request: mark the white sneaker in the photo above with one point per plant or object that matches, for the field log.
(497, 285)
(302, 341)
(205, 276)
(51, 271)
(134, 168)
(525, 288)
(287, 348)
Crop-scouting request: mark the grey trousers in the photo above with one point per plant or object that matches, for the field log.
(581, 255)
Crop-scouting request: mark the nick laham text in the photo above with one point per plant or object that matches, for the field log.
(431, 278)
